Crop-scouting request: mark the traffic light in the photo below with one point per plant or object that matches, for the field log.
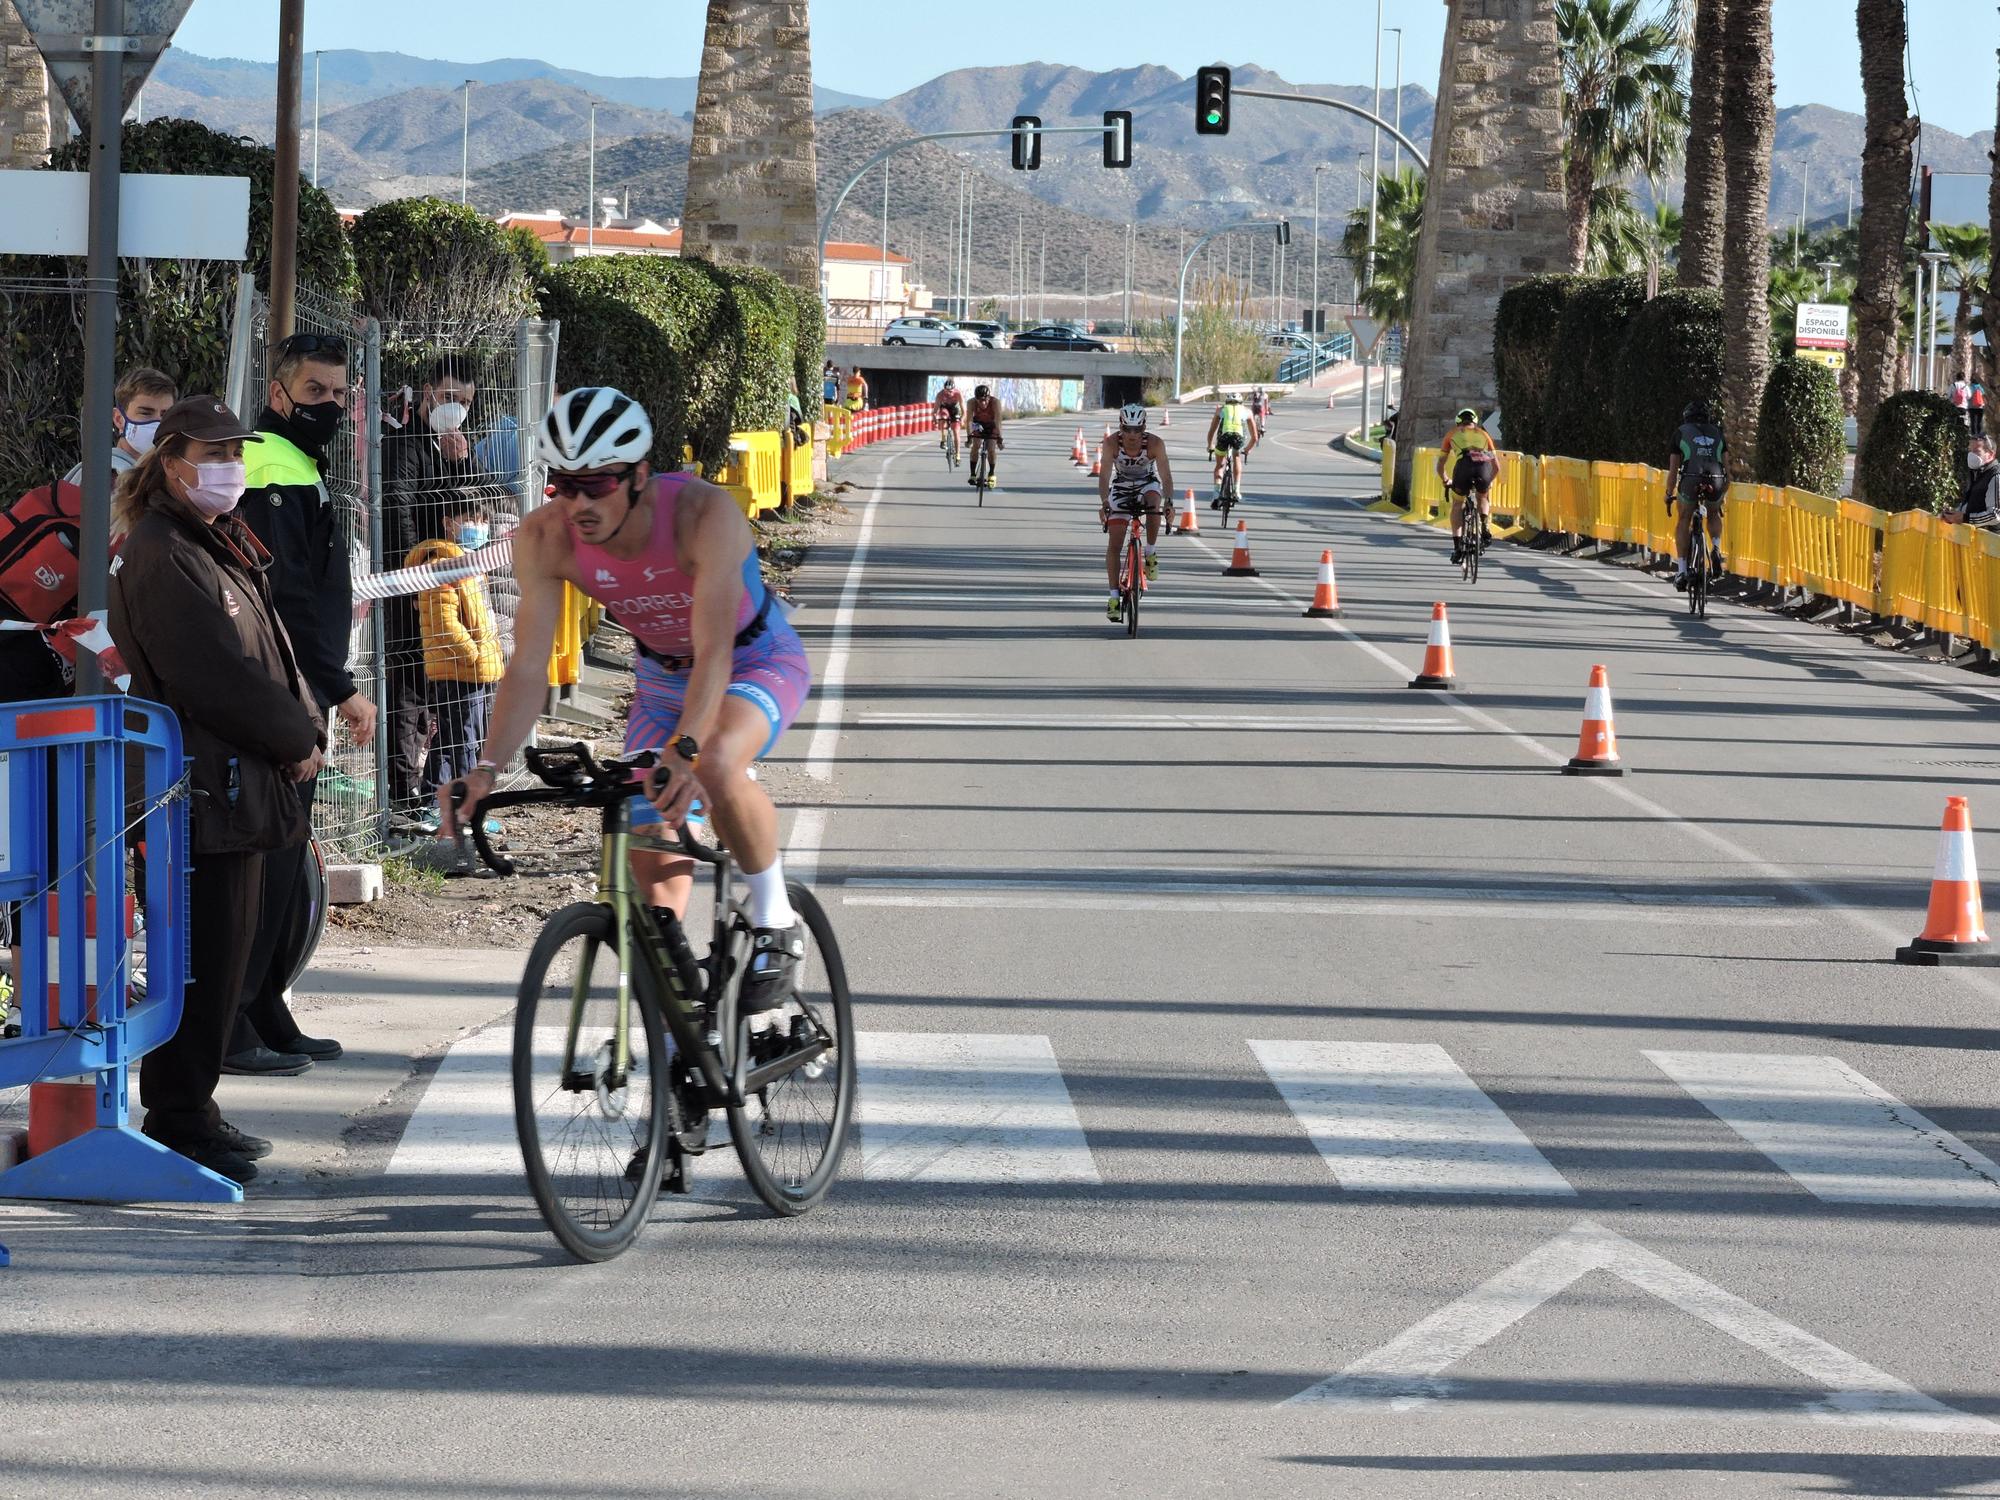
(1211, 101)
(1027, 143)
(1284, 231)
(1118, 138)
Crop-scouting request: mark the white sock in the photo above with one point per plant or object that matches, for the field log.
(1152, 549)
(769, 905)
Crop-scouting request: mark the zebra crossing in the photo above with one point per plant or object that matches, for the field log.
(968, 1108)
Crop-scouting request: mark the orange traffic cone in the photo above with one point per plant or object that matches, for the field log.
(1239, 562)
(1096, 466)
(1437, 655)
(1597, 747)
(1188, 526)
(1076, 453)
(1955, 928)
(1326, 596)
(1166, 417)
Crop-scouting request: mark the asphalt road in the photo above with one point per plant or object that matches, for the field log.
(1276, 1081)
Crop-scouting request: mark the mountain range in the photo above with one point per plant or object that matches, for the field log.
(393, 125)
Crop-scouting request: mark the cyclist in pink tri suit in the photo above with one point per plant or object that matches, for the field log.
(721, 672)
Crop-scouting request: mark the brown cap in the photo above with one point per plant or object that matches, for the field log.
(206, 419)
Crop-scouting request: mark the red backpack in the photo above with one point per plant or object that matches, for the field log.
(40, 536)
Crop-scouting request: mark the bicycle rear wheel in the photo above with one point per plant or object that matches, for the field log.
(1698, 574)
(1135, 580)
(593, 1138)
(791, 1133)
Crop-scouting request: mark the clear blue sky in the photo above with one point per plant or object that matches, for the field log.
(881, 47)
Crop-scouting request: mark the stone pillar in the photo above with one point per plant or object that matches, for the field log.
(24, 95)
(1493, 206)
(751, 196)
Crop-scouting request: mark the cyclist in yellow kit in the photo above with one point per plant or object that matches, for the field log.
(1469, 464)
(1232, 433)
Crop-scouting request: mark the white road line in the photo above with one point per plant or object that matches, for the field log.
(1405, 1373)
(1345, 723)
(1771, 870)
(1069, 901)
(802, 853)
(966, 1107)
(463, 1126)
(1173, 881)
(1835, 1133)
(1402, 1117)
(830, 692)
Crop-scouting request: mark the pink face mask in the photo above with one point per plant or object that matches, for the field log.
(217, 487)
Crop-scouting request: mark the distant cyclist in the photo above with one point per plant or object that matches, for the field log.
(1133, 476)
(720, 672)
(982, 425)
(1233, 434)
(949, 404)
(1699, 458)
(1469, 464)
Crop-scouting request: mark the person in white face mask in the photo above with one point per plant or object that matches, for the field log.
(142, 397)
(423, 465)
(192, 614)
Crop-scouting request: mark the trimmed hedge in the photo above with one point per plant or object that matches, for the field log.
(1800, 440)
(1913, 455)
(423, 260)
(708, 349)
(1589, 341)
(1672, 355)
(1524, 356)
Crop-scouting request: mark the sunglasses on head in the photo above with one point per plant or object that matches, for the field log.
(587, 486)
(307, 345)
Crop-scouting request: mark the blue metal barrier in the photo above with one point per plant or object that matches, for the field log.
(73, 757)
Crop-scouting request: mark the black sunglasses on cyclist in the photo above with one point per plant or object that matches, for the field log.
(330, 347)
(587, 486)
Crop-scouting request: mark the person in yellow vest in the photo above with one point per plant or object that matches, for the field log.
(462, 657)
(1468, 463)
(857, 390)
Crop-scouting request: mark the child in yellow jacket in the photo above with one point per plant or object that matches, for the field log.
(462, 657)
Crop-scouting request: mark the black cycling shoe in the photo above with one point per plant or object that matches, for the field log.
(775, 954)
(249, 1147)
(1680, 583)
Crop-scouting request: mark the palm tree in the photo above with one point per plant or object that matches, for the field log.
(24, 95)
(1399, 219)
(1746, 241)
(1970, 249)
(1992, 308)
(1621, 239)
(1707, 184)
(1885, 202)
(1624, 102)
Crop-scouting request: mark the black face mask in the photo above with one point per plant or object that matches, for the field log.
(316, 423)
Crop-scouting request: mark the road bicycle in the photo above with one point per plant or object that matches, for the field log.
(982, 468)
(1132, 565)
(626, 1041)
(948, 441)
(295, 947)
(1701, 549)
(1229, 493)
(1471, 537)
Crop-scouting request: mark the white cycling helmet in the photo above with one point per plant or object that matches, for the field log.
(594, 427)
(1132, 414)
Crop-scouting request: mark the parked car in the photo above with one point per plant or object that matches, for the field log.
(1059, 336)
(929, 331)
(992, 335)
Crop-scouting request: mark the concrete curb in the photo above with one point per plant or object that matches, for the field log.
(1351, 442)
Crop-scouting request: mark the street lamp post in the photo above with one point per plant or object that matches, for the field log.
(1086, 289)
(1935, 259)
(315, 119)
(1399, 99)
(1827, 268)
(590, 193)
(465, 145)
(1312, 321)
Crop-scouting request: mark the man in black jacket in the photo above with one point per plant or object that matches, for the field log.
(421, 465)
(287, 506)
(1980, 503)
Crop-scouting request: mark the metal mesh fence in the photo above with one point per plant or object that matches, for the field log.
(435, 444)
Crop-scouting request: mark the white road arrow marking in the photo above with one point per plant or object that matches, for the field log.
(1406, 1372)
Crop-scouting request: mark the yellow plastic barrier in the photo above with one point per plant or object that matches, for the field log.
(1566, 495)
(1426, 489)
(1514, 491)
(566, 659)
(801, 479)
(1857, 544)
(840, 429)
(1905, 542)
(1388, 467)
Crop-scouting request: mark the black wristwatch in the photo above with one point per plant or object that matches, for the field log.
(685, 747)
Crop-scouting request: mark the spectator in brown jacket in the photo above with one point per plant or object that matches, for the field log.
(192, 615)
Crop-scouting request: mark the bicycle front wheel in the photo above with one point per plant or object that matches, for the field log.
(593, 1130)
(790, 1134)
